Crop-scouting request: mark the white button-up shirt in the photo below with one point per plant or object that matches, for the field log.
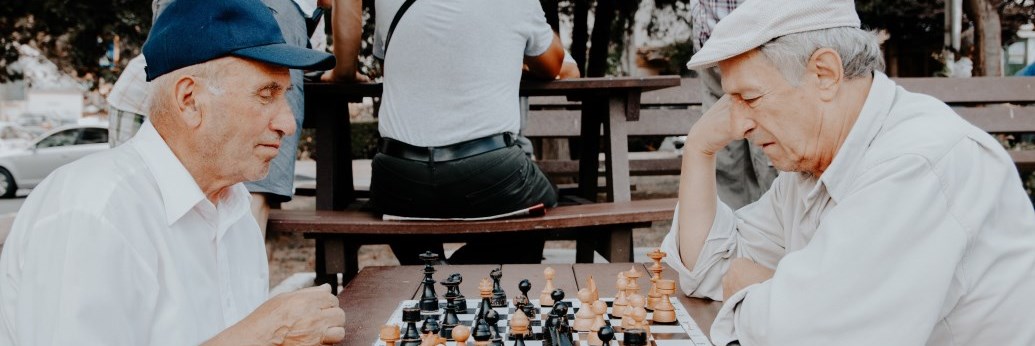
(919, 232)
(123, 248)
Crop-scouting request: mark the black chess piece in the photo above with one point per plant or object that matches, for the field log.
(461, 301)
(564, 331)
(523, 302)
(449, 320)
(634, 337)
(481, 331)
(557, 295)
(492, 318)
(410, 335)
(430, 325)
(499, 297)
(606, 334)
(428, 299)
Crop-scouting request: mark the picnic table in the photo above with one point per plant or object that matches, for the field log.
(373, 295)
(608, 101)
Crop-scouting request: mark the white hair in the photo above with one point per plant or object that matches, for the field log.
(859, 50)
(164, 85)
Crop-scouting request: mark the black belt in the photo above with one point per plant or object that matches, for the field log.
(456, 151)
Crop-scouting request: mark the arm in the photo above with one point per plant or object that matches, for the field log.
(309, 316)
(569, 68)
(868, 264)
(547, 65)
(347, 32)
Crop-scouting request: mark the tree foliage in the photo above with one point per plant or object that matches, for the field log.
(75, 35)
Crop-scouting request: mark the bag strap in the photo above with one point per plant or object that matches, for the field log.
(395, 21)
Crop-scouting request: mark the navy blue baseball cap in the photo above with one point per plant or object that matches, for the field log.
(190, 32)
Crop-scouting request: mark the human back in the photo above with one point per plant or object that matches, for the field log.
(454, 66)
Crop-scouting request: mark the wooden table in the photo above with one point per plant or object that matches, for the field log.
(610, 102)
(370, 298)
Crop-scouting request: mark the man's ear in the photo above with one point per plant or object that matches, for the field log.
(825, 65)
(187, 101)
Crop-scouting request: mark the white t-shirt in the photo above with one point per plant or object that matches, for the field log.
(123, 248)
(918, 233)
(454, 67)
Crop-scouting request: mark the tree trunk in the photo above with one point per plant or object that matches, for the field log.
(988, 42)
(601, 38)
(580, 34)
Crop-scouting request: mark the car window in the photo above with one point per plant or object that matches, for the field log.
(93, 135)
(66, 137)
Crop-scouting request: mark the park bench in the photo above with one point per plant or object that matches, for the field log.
(999, 105)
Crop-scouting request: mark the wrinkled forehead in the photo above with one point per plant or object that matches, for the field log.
(748, 71)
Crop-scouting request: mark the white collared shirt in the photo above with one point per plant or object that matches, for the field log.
(919, 232)
(123, 248)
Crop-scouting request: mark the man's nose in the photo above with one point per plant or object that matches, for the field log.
(284, 120)
(740, 121)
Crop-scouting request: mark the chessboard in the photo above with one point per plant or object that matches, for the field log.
(683, 332)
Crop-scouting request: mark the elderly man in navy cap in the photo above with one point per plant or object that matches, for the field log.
(152, 243)
(894, 222)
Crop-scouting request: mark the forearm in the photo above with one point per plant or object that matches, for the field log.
(245, 332)
(697, 203)
(347, 23)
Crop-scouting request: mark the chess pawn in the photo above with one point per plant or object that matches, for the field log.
(519, 327)
(618, 307)
(599, 309)
(664, 312)
(460, 334)
(390, 334)
(635, 302)
(606, 334)
(584, 317)
(544, 296)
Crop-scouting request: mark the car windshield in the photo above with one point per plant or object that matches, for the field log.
(66, 137)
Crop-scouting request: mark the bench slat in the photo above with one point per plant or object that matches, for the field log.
(361, 222)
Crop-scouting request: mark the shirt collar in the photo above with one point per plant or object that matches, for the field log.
(866, 128)
(180, 192)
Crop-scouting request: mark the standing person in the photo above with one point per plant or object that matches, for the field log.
(130, 97)
(151, 243)
(743, 171)
(895, 221)
(450, 113)
(292, 16)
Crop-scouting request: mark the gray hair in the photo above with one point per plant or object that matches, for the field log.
(164, 85)
(859, 50)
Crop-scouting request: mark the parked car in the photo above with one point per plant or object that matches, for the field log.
(26, 167)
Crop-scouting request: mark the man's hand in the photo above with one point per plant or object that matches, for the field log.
(743, 273)
(714, 130)
(306, 317)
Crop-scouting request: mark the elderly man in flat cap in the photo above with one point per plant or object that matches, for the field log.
(152, 243)
(894, 222)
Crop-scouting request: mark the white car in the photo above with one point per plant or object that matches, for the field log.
(26, 167)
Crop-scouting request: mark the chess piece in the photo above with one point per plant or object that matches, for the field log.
(606, 334)
(428, 299)
(639, 319)
(430, 325)
(410, 335)
(544, 297)
(449, 319)
(633, 287)
(492, 318)
(522, 302)
(635, 302)
(592, 284)
(390, 334)
(584, 317)
(499, 297)
(664, 311)
(432, 339)
(461, 301)
(485, 291)
(460, 334)
(653, 296)
(519, 327)
(564, 332)
(481, 334)
(634, 337)
(599, 309)
(619, 304)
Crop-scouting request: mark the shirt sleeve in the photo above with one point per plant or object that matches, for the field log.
(538, 33)
(82, 285)
(754, 232)
(865, 263)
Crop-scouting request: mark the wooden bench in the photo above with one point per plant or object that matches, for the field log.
(994, 104)
(339, 234)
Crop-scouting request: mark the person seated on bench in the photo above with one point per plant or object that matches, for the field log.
(449, 116)
(894, 219)
(152, 242)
